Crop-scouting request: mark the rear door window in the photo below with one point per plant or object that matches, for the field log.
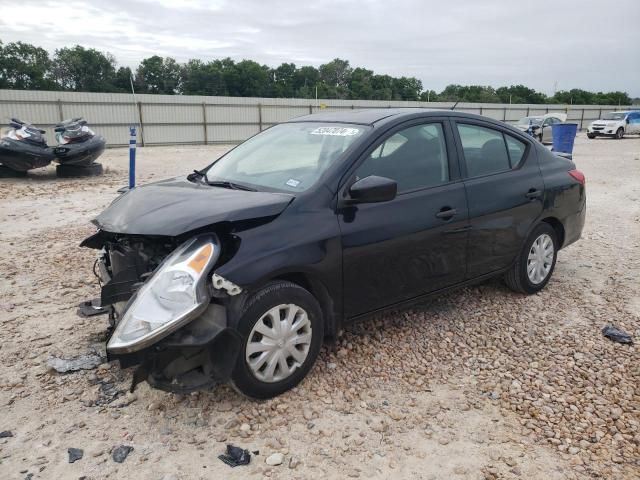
(485, 150)
(488, 151)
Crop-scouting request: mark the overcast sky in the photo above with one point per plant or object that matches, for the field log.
(594, 45)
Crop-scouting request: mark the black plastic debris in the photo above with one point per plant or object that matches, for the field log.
(75, 454)
(616, 335)
(120, 453)
(6, 434)
(91, 308)
(235, 456)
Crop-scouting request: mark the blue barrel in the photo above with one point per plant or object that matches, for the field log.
(564, 135)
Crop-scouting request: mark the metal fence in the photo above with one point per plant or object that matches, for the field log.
(171, 119)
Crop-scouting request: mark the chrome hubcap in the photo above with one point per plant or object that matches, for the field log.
(279, 343)
(540, 259)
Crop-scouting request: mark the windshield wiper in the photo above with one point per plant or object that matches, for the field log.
(230, 185)
(197, 174)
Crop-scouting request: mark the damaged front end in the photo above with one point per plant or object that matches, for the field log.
(169, 313)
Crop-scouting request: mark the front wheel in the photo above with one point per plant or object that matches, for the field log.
(534, 266)
(620, 133)
(282, 331)
(591, 135)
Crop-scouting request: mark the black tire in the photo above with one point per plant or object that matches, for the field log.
(72, 171)
(619, 133)
(273, 294)
(516, 277)
(591, 135)
(6, 172)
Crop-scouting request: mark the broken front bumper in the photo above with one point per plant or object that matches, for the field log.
(197, 355)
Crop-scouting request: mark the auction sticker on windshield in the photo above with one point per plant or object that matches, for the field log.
(336, 131)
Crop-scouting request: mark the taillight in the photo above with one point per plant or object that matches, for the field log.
(578, 176)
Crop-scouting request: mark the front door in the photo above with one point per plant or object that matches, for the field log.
(505, 191)
(394, 251)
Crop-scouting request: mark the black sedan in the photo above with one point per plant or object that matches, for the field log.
(237, 272)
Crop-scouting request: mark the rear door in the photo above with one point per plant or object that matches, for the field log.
(634, 122)
(416, 243)
(504, 190)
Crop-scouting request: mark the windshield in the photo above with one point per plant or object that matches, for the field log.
(529, 121)
(289, 157)
(614, 116)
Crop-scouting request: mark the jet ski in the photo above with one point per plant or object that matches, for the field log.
(23, 148)
(78, 145)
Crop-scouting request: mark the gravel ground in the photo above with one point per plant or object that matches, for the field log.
(479, 384)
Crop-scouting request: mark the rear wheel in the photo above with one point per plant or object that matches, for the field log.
(282, 332)
(620, 133)
(71, 171)
(534, 266)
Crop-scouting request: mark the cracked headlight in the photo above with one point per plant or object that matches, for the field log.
(175, 294)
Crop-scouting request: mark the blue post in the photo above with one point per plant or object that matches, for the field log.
(132, 157)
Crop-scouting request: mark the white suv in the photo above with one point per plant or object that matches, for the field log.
(615, 124)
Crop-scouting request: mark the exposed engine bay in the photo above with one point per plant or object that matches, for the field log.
(195, 353)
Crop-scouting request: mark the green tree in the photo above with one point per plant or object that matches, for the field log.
(159, 75)
(24, 67)
(382, 87)
(250, 79)
(84, 69)
(468, 93)
(520, 94)
(429, 96)
(361, 86)
(201, 78)
(284, 79)
(305, 81)
(407, 88)
(335, 77)
(122, 80)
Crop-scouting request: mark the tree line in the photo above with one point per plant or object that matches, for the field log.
(27, 67)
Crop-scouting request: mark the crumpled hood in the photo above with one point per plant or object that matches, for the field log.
(175, 206)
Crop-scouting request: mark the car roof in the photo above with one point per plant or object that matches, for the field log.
(370, 116)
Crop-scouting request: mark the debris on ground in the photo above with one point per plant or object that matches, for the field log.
(6, 434)
(275, 459)
(235, 456)
(616, 335)
(87, 361)
(75, 454)
(120, 453)
(90, 308)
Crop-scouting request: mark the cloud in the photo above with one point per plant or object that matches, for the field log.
(493, 42)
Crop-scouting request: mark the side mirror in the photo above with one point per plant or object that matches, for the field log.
(373, 189)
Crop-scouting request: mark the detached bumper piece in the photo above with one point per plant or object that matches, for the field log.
(91, 308)
(198, 356)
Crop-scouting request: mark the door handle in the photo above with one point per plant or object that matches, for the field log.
(446, 213)
(533, 193)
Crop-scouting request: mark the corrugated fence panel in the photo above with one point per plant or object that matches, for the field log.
(232, 114)
(275, 114)
(36, 113)
(165, 113)
(230, 133)
(172, 134)
(171, 119)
